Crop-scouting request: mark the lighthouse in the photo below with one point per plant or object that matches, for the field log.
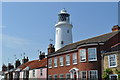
(63, 28)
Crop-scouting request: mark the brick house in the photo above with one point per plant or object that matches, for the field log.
(111, 57)
(81, 59)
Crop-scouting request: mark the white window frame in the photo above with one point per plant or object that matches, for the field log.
(50, 63)
(96, 71)
(67, 76)
(95, 54)
(74, 57)
(68, 60)
(61, 61)
(55, 75)
(82, 55)
(113, 75)
(62, 75)
(55, 62)
(112, 61)
(33, 72)
(82, 75)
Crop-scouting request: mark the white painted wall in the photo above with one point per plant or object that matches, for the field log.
(1, 77)
(21, 75)
(62, 35)
(31, 74)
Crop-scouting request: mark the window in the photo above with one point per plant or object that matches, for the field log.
(67, 31)
(50, 63)
(33, 73)
(41, 72)
(79, 75)
(82, 55)
(62, 42)
(93, 75)
(83, 75)
(92, 54)
(55, 62)
(68, 76)
(113, 77)
(61, 61)
(61, 75)
(55, 76)
(49, 77)
(112, 60)
(67, 59)
(74, 58)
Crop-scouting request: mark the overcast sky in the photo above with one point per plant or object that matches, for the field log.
(27, 27)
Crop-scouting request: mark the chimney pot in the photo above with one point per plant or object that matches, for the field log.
(115, 28)
(51, 48)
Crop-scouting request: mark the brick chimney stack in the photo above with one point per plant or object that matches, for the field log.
(24, 60)
(42, 55)
(51, 48)
(4, 67)
(115, 28)
(17, 63)
(10, 66)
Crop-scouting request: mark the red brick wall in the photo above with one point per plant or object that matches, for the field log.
(82, 66)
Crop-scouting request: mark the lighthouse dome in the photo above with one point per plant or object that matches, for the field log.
(63, 11)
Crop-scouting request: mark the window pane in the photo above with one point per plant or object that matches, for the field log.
(61, 61)
(50, 63)
(68, 75)
(83, 55)
(112, 60)
(67, 59)
(83, 75)
(93, 74)
(55, 62)
(74, 58)
(92, 54)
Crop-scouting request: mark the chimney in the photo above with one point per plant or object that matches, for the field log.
(24, 60)
(4, 67)
(115, 28)
(42, 55)
(10, 66)
(51, 48)
(17, 63)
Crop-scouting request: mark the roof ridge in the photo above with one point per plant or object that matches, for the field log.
(92, 38)
(99, 38)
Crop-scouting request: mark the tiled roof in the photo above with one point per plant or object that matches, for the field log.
(38, 64)
(101, 38)
(34, 64)
(116, 47)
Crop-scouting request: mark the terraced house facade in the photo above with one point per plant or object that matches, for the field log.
(81, 59)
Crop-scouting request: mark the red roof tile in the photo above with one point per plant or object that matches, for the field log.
(34, 64)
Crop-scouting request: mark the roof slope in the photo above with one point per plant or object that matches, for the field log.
(34, 64)
(101, 38)
(38, 64)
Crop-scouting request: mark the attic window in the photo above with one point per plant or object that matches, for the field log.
(62, 42)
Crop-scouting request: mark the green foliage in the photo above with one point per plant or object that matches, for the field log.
(106, 73)
(105, 76)
(117, 72)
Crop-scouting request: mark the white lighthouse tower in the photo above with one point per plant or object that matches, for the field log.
(63, 30)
